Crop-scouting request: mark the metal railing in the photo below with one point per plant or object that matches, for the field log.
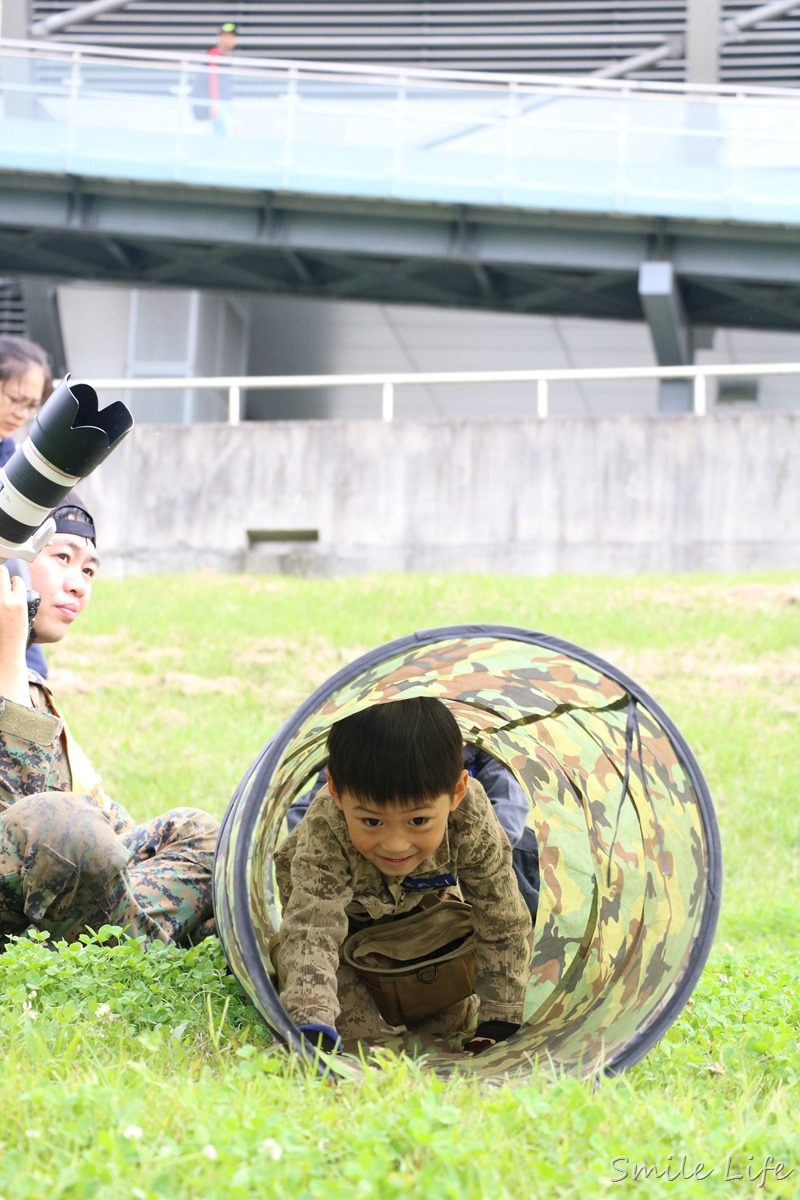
(330, 69)
(386, 383)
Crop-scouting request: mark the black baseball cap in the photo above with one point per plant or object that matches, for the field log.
(72, 516)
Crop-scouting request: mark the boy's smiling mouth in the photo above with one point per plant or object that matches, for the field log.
(397, 862)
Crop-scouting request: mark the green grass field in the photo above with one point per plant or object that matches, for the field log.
(131, 1074)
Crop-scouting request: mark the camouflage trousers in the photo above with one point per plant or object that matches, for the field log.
(64, 869)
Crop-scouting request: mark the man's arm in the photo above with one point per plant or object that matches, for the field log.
(31, 752)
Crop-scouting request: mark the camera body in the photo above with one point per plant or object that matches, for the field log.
(19, 566)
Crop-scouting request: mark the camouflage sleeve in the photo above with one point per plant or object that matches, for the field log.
(31, 753)
(314, 879)
(500, 916)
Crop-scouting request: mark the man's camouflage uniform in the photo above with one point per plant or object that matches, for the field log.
(329, 889)
(72, 858)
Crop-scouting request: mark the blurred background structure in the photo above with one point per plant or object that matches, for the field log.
(431, 282)
(409, 187)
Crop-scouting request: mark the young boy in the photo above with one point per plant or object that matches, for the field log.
(399, 821)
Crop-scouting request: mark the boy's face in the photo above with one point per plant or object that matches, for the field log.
(397, 838)
(63, 574)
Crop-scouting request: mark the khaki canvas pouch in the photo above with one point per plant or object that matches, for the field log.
(417, 965)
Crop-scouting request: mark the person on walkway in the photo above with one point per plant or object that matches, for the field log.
(213, 89)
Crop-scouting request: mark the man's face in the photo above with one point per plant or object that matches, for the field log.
(62, 574)
(226, 42)
(397, 838)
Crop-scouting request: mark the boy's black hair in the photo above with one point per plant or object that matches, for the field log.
(398, 752)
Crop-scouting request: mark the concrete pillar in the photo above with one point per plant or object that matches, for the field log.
(702, 41)
(672, 343)
(19, 100)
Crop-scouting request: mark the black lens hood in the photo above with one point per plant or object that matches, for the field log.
(73, 434)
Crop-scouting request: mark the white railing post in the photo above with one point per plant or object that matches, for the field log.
(699, 393)
(509, 138)
(387, 401)
(399, 152)
(234, 404)
(542, 398)
(291, 115)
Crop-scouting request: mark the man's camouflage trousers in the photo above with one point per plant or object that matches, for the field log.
(64, 869)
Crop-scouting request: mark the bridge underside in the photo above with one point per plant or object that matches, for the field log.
(455, 256)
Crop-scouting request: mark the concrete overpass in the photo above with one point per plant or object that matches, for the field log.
(594, 198)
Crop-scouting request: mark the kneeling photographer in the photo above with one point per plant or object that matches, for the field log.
(71, 858)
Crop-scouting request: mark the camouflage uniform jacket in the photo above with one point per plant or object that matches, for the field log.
(38, 754)
(327, 887)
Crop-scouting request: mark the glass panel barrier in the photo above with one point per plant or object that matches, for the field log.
(615, 148)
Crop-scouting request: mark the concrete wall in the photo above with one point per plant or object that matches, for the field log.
(606, 495)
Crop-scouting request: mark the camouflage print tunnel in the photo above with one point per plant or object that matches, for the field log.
(628, 841)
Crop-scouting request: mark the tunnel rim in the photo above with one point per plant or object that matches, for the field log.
(262, 768)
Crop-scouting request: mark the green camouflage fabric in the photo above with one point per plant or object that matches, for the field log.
(325, 884)
(625, 840)
(72, 861)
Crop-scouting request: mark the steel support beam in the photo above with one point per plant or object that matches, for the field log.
(74, 15)
(156, 235)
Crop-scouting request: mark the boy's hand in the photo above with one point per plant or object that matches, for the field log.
(321, 1037)
(488, 1034)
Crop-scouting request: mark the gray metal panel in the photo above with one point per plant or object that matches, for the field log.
(548, 36)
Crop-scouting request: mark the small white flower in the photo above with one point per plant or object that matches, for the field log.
(209, 1152)
(133, 1133)
(138, 1194)
(272, 1148)
(32, 1133)
(104, 1012)
(32, 992)
(29, 1011)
